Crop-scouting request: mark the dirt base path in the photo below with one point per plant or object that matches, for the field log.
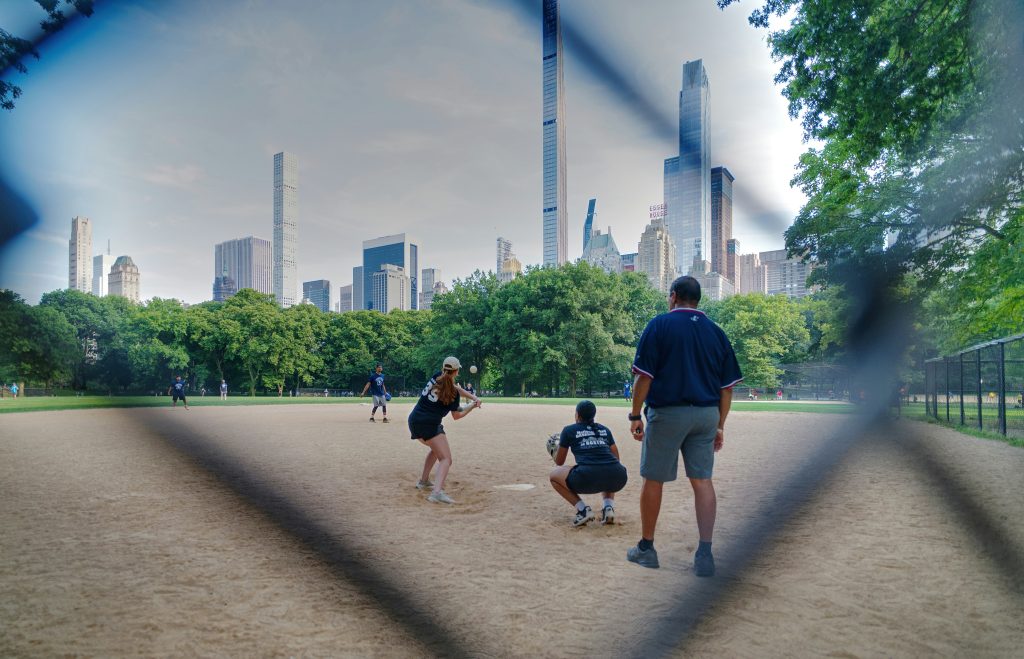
(296, 531)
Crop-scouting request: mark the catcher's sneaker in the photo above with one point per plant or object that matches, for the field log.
(385, 420)
(583, 517)
(704, 564)
(424, 485)
(372, 420)
(607, 515)
(440, 497)
(645, 558)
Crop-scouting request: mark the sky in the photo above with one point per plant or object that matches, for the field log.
(159, 121)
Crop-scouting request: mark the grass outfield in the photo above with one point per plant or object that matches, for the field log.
(46, 404)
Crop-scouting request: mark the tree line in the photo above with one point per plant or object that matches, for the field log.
(551, 331)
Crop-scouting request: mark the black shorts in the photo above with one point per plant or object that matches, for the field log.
(591, 479)
(176, 397)
(425, 431)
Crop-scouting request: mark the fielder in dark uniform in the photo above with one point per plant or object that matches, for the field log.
(597, 467)
(685, 370)
(438, 398)
(177, 390)
(375, 383)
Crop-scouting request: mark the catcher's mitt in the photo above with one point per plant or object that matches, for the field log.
(552, 445)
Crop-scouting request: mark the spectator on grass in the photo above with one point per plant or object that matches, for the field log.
(685, 370)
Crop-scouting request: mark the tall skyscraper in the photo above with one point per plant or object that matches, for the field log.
(318, 292)
(556, 223)
(430, 277)
(394, 250)
(80, 255)
(588, 225)
(358, 288)
(101, 264)
(242, 263)
(286, 228)
(687, 177)
(656, 254)
(504, 252)
(391, 290)
(721, 219)
(345, 298)
(124, 279)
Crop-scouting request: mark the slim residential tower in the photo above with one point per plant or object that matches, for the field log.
(286, 230)
(556, 223)
(80, 255)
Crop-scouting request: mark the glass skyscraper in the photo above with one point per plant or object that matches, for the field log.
(242, 263)
(556, 223)
(318, 292)
(721, 219)
(390, 250)
(588, 225)
(286, 228)
(688, 177)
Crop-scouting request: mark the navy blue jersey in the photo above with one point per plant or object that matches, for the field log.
(688, 358)
(178, 388)
(428, 408)
(590, 443)
(376, 381)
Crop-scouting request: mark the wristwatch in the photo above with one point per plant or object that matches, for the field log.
(635, 417)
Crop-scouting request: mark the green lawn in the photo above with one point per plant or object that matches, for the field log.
(41, 404)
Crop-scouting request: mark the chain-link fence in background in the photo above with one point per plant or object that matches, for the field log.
(980, 387)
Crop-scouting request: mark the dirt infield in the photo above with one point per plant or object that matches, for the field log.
(230, 531)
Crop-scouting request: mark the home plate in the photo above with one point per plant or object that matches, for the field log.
(519, 487)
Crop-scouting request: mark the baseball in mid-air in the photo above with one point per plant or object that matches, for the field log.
(472, 369)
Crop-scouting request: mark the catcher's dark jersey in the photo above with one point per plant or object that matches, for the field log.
(590, 443)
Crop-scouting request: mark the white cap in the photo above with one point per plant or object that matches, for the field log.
(451, 364)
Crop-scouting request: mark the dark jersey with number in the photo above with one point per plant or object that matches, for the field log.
(428, 408)
(590, 443)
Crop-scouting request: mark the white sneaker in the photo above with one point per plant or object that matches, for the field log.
(440, 497)
(424, 485)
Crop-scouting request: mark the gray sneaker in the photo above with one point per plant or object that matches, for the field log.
(648, 558)
(704, 565)
(440, 497)
(424, 485)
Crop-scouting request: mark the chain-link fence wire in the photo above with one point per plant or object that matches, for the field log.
(981, 387)
(877, 338)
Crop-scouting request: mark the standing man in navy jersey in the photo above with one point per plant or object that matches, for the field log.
(375, 383)
(685, 370)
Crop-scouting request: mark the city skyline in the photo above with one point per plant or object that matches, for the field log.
(128, 176)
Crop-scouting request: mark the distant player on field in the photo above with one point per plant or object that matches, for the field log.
(177, 390)
(223, 389)
(375, 383)
(597, 466)
(438, 398)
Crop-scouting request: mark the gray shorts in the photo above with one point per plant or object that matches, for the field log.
(378, 401)
(674, 430)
